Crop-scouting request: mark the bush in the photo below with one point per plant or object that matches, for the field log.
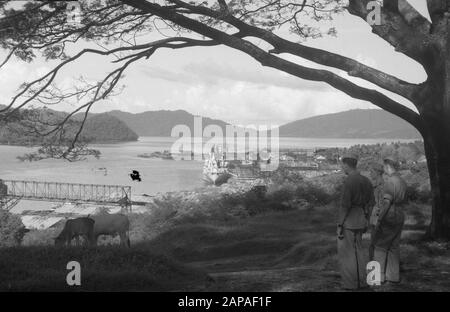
(218, 206)
(330, 184)
(12, 229)
(251, 202)
(313, 194)
(281, 192)
(305, 190)
(285, 175)
(211, 204)
(142, 227)
(414, 192)
(41, 237)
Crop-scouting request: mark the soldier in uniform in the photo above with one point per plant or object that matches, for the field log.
(356, 202)
(386, 238)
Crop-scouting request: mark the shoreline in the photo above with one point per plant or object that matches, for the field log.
(379, 139)
(90, 143)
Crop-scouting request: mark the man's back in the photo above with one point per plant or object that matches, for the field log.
(357, 197)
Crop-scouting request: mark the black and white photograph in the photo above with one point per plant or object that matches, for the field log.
(225, 151)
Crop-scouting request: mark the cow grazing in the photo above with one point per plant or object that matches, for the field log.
(112, 224)
(75, 228)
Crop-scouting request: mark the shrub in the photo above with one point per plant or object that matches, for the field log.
(330, 184)
(415, 193)
(313, 194)
(41, 237)
(217, 205)
(281, 192)
(142, 227)
(285, 175)
(12, 229)
(254, 201)
(288, 195)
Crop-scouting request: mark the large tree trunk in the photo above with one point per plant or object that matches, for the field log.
(436, 120)
(438, 159)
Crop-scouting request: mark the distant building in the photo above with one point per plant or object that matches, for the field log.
(40, 222)
(421, 159)
(320, 158)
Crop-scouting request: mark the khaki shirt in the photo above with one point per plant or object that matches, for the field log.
(392, 217)
(356, 201)
(395, 189)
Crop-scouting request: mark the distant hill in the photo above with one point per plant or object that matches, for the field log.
(118, 126)
(161, 123)
(358, 123)
(104, 127)
(99, 128)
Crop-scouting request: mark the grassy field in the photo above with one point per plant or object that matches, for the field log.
(282, 241)
(274, 251)
(296, 251)
(102, 269)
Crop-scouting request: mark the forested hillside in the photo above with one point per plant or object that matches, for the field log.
(99, 128)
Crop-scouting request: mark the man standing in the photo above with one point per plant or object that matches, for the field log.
(356, 201)
(388, 229)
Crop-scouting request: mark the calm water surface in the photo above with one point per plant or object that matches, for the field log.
(119, 159)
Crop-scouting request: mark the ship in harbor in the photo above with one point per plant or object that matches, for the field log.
(215, 169)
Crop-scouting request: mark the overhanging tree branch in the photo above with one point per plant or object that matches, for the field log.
(319, 56)
(101, 90)
(403, 29)
(267, 59)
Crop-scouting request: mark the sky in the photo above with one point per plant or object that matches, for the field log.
(226, 84)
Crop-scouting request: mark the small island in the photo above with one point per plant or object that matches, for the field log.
(161, 155)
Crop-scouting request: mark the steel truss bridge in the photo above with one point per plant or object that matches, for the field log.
(73, 192)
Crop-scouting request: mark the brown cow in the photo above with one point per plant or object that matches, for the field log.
(112, 224)
(75, 228)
